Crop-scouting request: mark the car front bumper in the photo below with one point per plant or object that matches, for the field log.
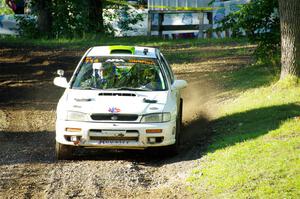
(115, 135)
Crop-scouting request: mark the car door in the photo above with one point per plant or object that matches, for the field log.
(175, 94)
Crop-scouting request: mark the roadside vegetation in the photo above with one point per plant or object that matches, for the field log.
(84, 43)
(254, 147)
(252, 150)
(249, 149)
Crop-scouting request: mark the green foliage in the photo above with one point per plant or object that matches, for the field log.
(69, 18)
(72, 19)
(288, 82)
(4, 9)
(27, 26)
(80, 43)
(260, 21)
(126, 15)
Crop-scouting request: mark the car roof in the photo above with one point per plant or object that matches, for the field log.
(124, 51)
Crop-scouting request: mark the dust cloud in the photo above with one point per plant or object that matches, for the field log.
(199, 106)
(199, 102)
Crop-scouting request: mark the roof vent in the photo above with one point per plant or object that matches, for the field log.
(145, 51)
(122, 50)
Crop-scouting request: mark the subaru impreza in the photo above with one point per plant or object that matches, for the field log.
(119, 97)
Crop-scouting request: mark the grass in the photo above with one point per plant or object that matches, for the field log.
(255, 145)
(194, 54)
(94, 41)
(250, 77)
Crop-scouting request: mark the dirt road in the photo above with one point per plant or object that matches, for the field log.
(28, 168)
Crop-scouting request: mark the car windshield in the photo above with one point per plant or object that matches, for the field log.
(119, 73)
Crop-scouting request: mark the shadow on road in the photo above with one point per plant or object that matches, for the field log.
(193, 137)
(198, 138)
(26, 147)
(39, 147)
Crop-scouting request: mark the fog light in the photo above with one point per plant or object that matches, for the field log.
(151, 140)
(73, 138)
(73, 129)
(153, 130)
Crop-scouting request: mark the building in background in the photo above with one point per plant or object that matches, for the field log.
(188, 18)
(167, 18)
(176, 18)
(220, 10)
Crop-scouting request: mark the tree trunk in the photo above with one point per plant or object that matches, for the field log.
(44, 17)
(289, 11)
(96, 15)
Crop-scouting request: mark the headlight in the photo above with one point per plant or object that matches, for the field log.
(156, 117)
(77, 116)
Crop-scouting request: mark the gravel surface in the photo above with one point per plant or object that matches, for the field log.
(29, 168)
(27, 119)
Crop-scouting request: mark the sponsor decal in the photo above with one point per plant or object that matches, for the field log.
(92, 60)
(114, 117)
(141, 61)
(114, 110)
(115, 60)
(88, 60)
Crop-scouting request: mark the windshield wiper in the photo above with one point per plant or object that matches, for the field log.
(133, 89)
(85, 88)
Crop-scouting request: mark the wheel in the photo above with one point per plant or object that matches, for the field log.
(63, 152)
(180, 112)
(174, 149)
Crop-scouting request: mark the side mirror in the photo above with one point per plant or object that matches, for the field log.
(61, 82)
(178, 84)
(60, 72)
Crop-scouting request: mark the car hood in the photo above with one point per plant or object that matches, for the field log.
(119, 102)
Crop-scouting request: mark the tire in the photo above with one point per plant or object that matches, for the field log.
(63, 152)
(175, 148)
(180, 113)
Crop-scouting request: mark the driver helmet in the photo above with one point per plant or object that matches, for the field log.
(98, 70)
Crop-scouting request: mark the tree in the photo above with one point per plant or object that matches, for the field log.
(289, 11)
(76, 18)
(95, 15)
(44, 16)
(4, 8)
(17, 6)
(259, 20)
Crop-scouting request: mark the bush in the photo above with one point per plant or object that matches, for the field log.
(4, 9)
(27, 26)
(259, 19)
(74, 19)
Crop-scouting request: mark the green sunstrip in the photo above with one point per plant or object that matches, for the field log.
(129, 48)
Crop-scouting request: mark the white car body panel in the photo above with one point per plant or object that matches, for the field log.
(123, 134)
(127, 104)
(139, 52)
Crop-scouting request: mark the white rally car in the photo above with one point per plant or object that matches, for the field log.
(119, 97)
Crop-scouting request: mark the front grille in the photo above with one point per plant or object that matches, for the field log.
(100, 131)
(114, 138)
(115, 117)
